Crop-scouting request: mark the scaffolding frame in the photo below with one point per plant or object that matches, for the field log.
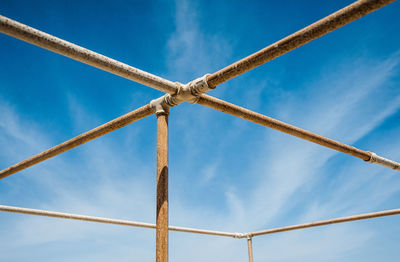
(193, 92)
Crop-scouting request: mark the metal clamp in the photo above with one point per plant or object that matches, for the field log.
(383, 161)
(198, 86)
(186, 93)
(240, 235)
(159, 106)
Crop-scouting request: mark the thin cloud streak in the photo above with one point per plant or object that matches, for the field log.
(293, 180)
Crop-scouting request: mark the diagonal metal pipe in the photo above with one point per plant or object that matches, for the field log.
(73, 51)
(291, 42)
(156, 106)
(65, 48)
(326, 25)
(263, 120)
(326, 222)
(106, 128)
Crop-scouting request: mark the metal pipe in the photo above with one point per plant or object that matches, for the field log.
(263, 120)
(250, 248)
(327, 222)
(332, 22)
(44, 213)
(206, 232)
(79, 140)
(162, 187)
(65, 48)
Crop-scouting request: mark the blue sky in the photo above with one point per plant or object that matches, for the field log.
(225, 173)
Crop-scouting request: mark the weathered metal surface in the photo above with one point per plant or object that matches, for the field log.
(375, 159)
(162, 188)
(45, 213)
(313, 31)
(318, 29)
(65, 48)
(79, 140)
(250, 248)
(327, 222)
(263, 120)
(328, 24)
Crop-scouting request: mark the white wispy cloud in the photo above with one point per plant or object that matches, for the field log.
(346, 108)
(192, 51)
(291, 175)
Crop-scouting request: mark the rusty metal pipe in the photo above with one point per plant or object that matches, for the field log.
(250, 248)
(328, 24)
(263, 120)
(45, 213)
(79, 140)
(162, 188)
(65, 48)
(327, 222)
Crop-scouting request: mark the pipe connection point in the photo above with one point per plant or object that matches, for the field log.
(199, 86)
(189, 92)
(185, 93)
(241, 235)
(159, 106)
(383, 161)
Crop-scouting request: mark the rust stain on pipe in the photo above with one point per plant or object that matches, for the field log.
(250, 248)
(263, 120)
(328, 24)
(79, 140)
(327, 222)
(65, 48)
(162, 188)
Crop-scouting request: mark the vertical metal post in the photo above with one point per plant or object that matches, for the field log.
(162, 188)
(250, 248)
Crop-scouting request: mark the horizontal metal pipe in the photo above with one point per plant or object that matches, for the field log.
(44, 213)
(38, 212)
(62, 47)
(328, 24)
(326, 222)
(263, 120)
(205, 232)
(79, 140)
(250, 248)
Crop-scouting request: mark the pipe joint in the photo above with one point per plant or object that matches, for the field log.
(185, 93)
(189, 92)
(160, 106)
(375, 159)
(198, 87)
(240, 235)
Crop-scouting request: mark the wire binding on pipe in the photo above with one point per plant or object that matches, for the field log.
(375, 159)
(185, 93)
(240, 235)
(160, 106)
